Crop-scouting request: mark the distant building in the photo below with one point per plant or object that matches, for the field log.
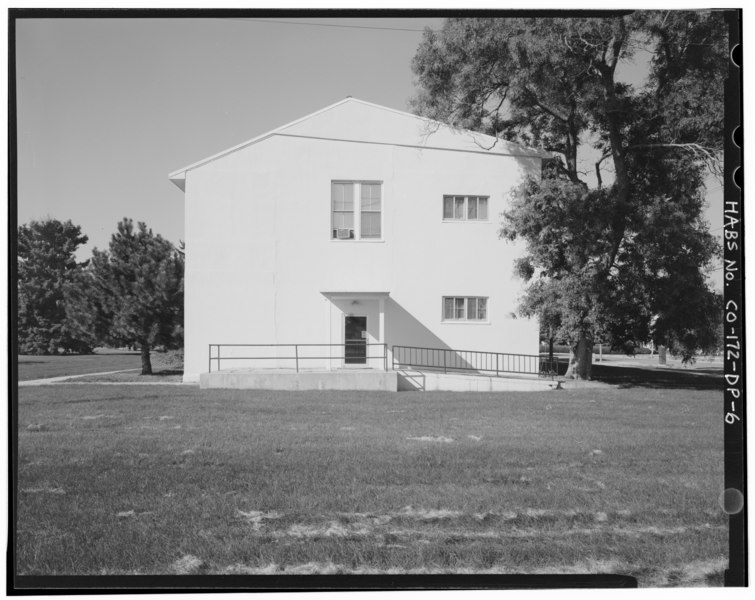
(355, 225)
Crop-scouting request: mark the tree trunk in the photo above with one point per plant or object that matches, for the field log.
(661, 355)
(580, 361)
(550, 350)
(614, 123)
(146, 364)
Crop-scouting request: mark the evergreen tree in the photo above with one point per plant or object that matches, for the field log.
(46, 265)
(132, 293)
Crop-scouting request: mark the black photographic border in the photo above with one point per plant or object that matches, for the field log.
(733, 501)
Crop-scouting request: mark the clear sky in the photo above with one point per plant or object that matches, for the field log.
(108, 107)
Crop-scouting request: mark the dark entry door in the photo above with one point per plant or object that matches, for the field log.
(356, 340)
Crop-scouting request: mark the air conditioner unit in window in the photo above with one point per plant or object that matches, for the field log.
(343, 234)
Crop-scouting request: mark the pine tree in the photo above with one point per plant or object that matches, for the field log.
(132, 294)
(46, 265)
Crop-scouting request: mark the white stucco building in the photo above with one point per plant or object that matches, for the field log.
(357, 222)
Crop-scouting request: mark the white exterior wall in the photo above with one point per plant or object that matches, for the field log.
(259, 251)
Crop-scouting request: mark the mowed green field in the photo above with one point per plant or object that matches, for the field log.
(40, 367)
(173, 479)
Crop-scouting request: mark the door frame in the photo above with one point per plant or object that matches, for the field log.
(365, 364)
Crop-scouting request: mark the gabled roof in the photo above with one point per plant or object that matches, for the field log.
(354, 120)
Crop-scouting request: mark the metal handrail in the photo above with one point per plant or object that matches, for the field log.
(477, 361)
(296, 357)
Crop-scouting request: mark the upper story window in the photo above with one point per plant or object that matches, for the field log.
(356, 208)
(370, 210)
(465, 308)
(465, 208)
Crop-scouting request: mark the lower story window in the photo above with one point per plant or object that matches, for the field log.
(465, 308)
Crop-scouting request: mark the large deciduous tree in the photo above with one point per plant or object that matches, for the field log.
(622, 260)
(132, 293)
(46, 265)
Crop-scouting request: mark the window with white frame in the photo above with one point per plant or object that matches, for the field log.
(370, 210)
(465, 308)
(465, 208)
(342, 197)
(356, 209)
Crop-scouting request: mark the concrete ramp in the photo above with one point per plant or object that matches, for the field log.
(428, 381)
(286, 379)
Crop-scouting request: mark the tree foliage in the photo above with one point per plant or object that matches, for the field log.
(46, 266)
(132, 293)
(624, 261)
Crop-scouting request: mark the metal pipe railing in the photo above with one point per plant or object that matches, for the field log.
(297, 357)
(473, 361)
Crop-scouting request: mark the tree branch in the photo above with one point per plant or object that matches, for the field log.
(551, 111)
(710, 156)
(497, 108)
(597, 168)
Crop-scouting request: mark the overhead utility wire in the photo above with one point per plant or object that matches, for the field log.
(359, 26)
(326, 25)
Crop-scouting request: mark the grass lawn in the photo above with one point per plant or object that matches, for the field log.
(40, 367)
(158, 376)
(103, 361)
(180, 480)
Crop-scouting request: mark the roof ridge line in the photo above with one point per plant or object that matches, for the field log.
(471, 132)
(176, 175)
(480, 150)
(255, 139)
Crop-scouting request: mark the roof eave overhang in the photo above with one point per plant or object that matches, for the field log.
(179, 179)
(355, 295)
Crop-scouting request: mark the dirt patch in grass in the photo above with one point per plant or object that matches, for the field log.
(256, 517)
(430, 438)
(424, 514)
(709, 573)
(43, 490)
(187, 565)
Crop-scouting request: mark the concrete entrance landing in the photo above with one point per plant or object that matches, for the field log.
(289, 379)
